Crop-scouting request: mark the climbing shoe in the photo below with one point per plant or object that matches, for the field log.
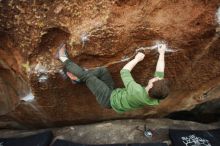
(76, 81)
(73, 78)
(61, 51)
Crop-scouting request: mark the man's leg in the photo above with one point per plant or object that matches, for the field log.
(103, 74)
(76, 70)
(99, 88)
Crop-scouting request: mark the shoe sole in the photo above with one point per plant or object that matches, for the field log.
(58, 49)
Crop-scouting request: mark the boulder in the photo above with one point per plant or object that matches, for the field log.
(102, 33)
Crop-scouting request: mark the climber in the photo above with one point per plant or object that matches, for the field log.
(133, 96)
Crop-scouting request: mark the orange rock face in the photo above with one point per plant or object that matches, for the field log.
(100, 33)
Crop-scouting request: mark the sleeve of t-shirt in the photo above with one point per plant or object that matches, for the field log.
(126, 77)
(159, 74)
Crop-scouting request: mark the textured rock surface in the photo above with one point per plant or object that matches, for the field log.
(119, 131)
(33, 92)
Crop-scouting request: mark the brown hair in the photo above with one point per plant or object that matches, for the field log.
(160, 89)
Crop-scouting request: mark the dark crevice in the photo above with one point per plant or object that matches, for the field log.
(52, 38)
(208, 112)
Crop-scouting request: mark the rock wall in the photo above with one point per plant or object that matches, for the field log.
(99, 33)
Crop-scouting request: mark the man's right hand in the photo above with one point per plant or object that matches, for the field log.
(140, 56)
(162, 48)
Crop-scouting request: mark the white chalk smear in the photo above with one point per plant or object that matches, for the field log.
(164, 43)
(62, 73)
(218, 15)
(40, 68)
(84, 39)
(28, 98)
(42, 78)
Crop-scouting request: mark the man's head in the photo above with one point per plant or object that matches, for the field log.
(158, 88)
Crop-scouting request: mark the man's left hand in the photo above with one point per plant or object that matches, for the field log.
(140, 56)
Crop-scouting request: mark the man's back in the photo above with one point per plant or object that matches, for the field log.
(133, 96)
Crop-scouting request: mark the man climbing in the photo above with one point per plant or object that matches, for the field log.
(133, 96)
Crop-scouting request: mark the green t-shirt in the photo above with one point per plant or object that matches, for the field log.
(133, 96)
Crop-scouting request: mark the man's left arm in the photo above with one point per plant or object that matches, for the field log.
(130, 65)
(125, 72)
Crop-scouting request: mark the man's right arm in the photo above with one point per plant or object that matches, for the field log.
(161, 61)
